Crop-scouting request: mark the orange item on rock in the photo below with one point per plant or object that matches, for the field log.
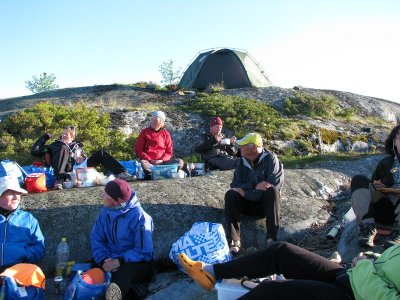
(94, 276)
(26, 275)
(36, 183)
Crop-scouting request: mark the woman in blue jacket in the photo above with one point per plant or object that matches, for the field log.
(121, 239)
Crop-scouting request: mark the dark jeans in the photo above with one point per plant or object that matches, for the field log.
(133, 273)
(269, 206)
(309, 275)
(61, 165)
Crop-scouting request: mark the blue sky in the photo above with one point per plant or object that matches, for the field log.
(344, 45)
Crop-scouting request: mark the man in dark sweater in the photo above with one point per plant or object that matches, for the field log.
(217, 151)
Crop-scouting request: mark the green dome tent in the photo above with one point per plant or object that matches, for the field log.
(231, 67)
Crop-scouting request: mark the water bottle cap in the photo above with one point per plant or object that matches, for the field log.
(64, 239)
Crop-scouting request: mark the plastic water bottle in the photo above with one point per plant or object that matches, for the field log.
(140, 173)
(62, 254)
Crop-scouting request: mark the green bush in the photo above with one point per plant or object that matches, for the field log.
(303, 103)
(19, 132)
(239, 114)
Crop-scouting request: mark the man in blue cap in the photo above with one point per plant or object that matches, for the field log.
(255, 189)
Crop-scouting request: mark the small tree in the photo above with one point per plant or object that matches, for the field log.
(169, 75)
(45, 82)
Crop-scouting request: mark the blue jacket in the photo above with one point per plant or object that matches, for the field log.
(123, 233)
(268, 168)
(21, 239)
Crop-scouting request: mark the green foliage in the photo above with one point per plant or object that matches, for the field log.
(44, 83)
(329, 136)
(216, 87)
(147, 85)
(303, 103)
(239, 114)
(168, 73)
(19, 132)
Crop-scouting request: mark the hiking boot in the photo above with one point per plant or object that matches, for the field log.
(394, 237)
(195, 270)
(125, 176)
(367, 234)
(235, 247)
(113, 292)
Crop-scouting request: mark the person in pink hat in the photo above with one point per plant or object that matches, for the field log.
(217, 151)
(121, 240)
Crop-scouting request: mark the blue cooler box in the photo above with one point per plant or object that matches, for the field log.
(163, 171)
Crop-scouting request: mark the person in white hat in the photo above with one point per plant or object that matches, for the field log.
(154, 145)
(21, 238)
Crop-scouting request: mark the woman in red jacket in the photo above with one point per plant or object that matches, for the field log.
(154, 145)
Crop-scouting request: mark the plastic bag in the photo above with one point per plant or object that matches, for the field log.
(204, 242)
(78, 289)
(11, 168)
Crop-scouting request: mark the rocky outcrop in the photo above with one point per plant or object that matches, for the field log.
(175, 205)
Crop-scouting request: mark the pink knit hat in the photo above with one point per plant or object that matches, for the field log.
(118, 188)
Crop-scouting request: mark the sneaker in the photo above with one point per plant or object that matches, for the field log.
(113, 292)
(195, 270)
(367, 234)
(235, 247)
(58, 185)
(394, 237)
(125, 176)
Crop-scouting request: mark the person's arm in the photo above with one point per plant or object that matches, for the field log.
(139, 147)
(242, 181)
(368, 284)
(143, 245)
(35, 249)
(38, 148)
(169, 149)
(274, 171)
(98, 242)
(204, 144)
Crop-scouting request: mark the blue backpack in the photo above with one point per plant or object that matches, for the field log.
(10, 290)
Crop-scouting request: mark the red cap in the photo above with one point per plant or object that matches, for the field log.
(216, 121)
(118, 188)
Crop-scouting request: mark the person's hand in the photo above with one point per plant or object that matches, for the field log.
(156, 161)
(358, 258)
(218, 137)
(378, 184)
(263, 186)
(111, 264)
(239, 190)
(233, 140)
(80, 159)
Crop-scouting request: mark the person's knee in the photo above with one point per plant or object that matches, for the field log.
(358, 182)
(271, 194)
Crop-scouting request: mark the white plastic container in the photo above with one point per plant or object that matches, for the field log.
(87, 176)
(231, 289)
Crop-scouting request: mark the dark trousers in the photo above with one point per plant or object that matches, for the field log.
(60, 161)
(268, 206)
(101, 157)
(309, 275)
(132, 273)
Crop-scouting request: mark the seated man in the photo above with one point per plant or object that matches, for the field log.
(255, 189)
(309, 275)
(214, 150)
(65, 153)
(371, 202)
(21, 238)
(121, 240)
(154, 145)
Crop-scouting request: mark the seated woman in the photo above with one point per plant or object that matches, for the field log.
(373, 202)
(309, 276)
(154, 145)
(65, 153)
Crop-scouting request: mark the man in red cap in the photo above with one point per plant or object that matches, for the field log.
(217, 151)
(121, 239)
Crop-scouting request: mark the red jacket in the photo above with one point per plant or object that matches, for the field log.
(154, 145)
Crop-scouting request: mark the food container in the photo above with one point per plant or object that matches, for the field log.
(87, 176)
(68, 184)
(225, 142)
(199, 169)
(163, 171)
(179, 174)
